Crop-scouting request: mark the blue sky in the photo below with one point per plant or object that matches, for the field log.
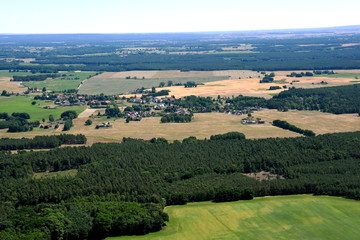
(118, 16)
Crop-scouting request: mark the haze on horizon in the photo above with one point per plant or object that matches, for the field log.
(141, 16)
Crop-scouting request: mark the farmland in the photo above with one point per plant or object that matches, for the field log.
(316, 121)
(124, 82)
(203, 125)
(37, 111)
(285, 217)
(72, 81)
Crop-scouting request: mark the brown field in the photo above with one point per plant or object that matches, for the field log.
(318, 122)
(6, 84)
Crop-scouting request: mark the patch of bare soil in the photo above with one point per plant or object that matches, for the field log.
(264, 176)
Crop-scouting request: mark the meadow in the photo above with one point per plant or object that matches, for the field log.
(37, 111)
(268, 218)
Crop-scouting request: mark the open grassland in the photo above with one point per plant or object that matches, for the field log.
(71, 81)
(269, 218)
(37, 111)
(318, 122)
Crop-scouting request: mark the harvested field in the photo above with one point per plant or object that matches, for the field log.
(15, 87)
(116, 83)
(203, 126)
(282, 217)
(247, 87)
(88, 112)
(318, 122)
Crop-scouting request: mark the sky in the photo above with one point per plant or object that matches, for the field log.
(138, 16)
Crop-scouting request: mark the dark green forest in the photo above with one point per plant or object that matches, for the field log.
(139, 178)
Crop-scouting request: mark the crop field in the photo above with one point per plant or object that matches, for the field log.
(203, 126)
(59, 84)
(116, 83)
(318, 122)
(11, 87)
(268, 218)
(253, 87)
(37, 111)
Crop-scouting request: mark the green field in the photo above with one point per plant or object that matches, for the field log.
(37, 112)
(282, 217)
(59, 84)
(112, 86)
(341, 75)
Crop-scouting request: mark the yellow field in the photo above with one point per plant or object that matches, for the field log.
(6, 84)
(318, 122)
(205, 125)
(246, 86)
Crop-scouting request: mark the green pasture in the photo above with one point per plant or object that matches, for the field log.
(341, 75)
(112, 86)
(37, 112)
(62, 83)
(268, 218)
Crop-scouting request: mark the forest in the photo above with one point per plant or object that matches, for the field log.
(142, 177)
(202, 51)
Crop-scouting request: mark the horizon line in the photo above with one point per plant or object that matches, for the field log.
(183, 32)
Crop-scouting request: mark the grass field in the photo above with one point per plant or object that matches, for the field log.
(58, 84)
(37, 112)
(342, 75)
(269, 218)
(112, 86)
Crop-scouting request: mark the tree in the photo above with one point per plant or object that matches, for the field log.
(169, 83)
(88, 122)
(51, 118)
(44, 89)
(69, 114)
(67, 125)
(162, 84)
